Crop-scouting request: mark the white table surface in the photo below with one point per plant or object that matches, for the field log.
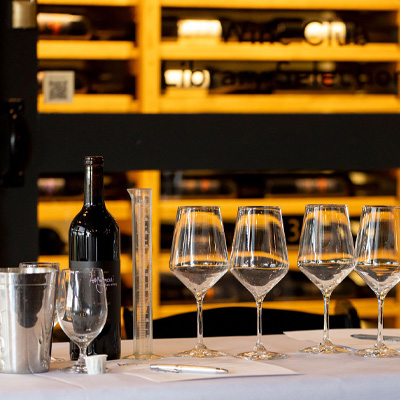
(321, 377)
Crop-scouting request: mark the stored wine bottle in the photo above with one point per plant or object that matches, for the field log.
(94, 241)
(63, 25)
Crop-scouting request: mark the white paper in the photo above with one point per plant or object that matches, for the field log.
(235, 366)
(343, 337)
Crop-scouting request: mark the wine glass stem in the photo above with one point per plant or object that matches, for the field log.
(380, 341)
(82, 355)
(199, 300)
(325, 338)
(259, 321)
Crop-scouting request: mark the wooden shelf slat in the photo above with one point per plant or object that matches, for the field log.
(289, 206)
(63, 260)
(66, 210)
(121, 209)
(92, 103)
(286, 4)
(279, 103)
(371, 52)
(86, 50)
(366, 308)
(113, 3)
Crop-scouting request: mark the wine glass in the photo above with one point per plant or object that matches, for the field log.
(199, 258)
(377, 262)
(82, 309)
(326, 257)
(52, 265)
(259, 261)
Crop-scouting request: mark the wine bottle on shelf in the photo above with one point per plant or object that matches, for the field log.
(282, 77)
(313, 31)
(94, 241)
(63, 25)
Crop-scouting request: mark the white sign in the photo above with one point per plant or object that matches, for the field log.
(58, 86)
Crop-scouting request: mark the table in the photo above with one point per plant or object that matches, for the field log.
(319, 377)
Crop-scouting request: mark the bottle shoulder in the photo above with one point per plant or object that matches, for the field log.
(94, 218)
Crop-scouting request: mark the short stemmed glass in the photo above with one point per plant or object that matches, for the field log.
(377, 262)
(326, 257)
(82, 309)
(52, 265)
(199, 258)
(259, 261)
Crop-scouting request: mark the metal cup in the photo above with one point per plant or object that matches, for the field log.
(27, 301)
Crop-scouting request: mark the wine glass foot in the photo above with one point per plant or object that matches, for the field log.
(326, 348)
(254, 355)
(377, 352)
(201, 351)
(75, 369)
(137, 356)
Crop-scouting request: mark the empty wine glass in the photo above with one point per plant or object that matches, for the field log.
(259, 261)
(82, 309)
(199, 258)
(52, 265)
(377, 262)
(326, 257)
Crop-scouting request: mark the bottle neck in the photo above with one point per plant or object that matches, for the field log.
(94, 191)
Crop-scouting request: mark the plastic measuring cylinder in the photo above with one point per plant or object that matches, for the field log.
(142, 274)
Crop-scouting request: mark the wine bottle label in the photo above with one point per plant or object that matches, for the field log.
(274, 77)
(112, 277)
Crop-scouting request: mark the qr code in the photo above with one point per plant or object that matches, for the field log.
(58, 90)
(58, 86)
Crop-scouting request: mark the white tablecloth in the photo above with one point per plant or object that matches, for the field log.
(321, 377)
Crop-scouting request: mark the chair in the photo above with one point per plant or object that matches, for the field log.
(242, 321)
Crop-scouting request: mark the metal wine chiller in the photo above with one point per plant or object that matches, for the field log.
(142, 274)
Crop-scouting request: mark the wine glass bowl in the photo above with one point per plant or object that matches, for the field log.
(326, 257)
(199, 258)
(82, 310)
(259, 261)
(377, 263)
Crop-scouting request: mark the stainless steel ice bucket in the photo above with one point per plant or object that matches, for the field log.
(27, 301)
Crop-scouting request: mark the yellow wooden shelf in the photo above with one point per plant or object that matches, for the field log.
(92, 103)
(366, 308)
(286, 4)
(289, 206)
(63, 260)
(86, 50)
(121, 209)
(67, 210)
(279, 103)
(242, 4)
(371, 52)
(113, 3)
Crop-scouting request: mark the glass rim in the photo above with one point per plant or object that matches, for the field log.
(199, 208)
(326, 206)
(27, 271)
(41, 263)
(139, 190)
(276, 208)
(380, 207)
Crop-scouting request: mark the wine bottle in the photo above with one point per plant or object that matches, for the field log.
(63, 26)
(94, 241)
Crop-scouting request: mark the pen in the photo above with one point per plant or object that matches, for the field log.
(187, 369)
(373, 337)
